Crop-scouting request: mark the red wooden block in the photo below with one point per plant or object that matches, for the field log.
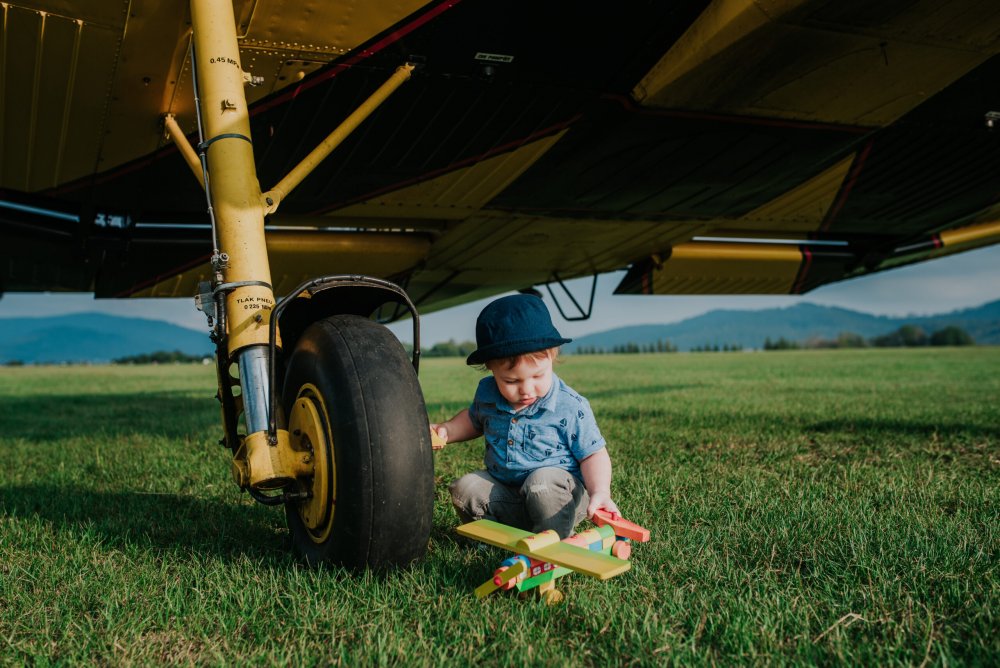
(622, 526)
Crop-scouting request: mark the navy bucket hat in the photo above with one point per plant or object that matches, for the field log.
(514, 325)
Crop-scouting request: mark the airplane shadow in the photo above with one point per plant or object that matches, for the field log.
(203, 529)
(122, 520)
(906, 427)
(59, 416)
(638, 391)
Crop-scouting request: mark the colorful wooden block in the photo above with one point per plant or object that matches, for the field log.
(622, 526)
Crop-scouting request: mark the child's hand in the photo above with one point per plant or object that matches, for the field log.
(439, 436)
(602, 501)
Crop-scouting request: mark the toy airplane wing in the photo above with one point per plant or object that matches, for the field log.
(596, 564)
(493, 533)
(545, 548)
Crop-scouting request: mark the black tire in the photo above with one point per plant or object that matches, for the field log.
(355, 375)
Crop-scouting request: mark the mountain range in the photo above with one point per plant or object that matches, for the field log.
(800, 323)
(100, 338)
(94, 337)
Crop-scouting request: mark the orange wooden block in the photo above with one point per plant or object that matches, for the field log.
(622, 526)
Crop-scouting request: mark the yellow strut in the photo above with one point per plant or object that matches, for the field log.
(273, 197)
(184, 146)
(973, 233)
(231, 171)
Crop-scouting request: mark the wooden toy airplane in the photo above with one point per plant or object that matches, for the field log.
(541, 558)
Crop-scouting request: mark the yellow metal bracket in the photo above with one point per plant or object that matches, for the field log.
(261, 466)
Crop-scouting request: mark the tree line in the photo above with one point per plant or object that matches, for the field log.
(661, 346)
(163, 357)
(907, 336)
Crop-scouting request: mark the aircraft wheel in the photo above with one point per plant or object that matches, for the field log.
(352, 399)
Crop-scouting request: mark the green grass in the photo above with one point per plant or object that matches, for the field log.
(806, 507)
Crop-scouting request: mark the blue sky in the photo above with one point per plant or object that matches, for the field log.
(958, 281)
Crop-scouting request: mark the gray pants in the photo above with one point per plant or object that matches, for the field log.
(549, 498)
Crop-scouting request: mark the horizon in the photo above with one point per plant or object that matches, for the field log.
(936, 287)
(724, 309)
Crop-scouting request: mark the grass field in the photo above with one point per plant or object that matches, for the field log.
(806, 507)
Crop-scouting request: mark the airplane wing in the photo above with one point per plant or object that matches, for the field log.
(589, 562)
(708, 146)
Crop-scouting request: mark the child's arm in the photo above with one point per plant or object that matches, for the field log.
(459, 428)
(596, 470)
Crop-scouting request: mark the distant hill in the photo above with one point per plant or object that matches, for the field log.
(93, 337)
(801, 322)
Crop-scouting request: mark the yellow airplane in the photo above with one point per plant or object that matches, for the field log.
(311, 170)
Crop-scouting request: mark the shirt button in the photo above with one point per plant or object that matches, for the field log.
(513, 420)
(510, 442)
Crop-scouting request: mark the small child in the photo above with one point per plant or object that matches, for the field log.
(546, 464)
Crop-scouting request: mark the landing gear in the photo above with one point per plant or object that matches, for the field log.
(354, 468)
(352, 399)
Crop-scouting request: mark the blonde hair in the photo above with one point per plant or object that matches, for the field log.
(511, 362)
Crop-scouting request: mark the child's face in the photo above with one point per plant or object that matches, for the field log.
(524, 383)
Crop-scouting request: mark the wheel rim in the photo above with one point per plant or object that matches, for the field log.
(309, 428)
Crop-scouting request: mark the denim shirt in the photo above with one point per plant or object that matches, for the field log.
(557, 430)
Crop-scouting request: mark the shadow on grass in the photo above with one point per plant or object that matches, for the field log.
(153, 521)
(764, 423)
(644, 391)
(59, 416)
(905, 427)
(200, 528)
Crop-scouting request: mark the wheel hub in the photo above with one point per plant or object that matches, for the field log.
(309, 430)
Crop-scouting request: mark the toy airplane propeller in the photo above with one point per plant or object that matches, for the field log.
(541, 558)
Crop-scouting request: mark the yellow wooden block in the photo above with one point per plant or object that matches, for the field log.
(498, 581)
(596, 564)
(436, 441)
(493, 533)
(537, 541)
